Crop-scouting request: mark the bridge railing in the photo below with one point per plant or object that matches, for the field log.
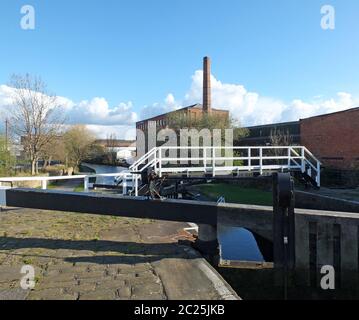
(209, 160)
(213, 159)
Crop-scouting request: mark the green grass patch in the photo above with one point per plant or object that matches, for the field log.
(79, 188)
(59, 183)
(236, 194)
(53, 184)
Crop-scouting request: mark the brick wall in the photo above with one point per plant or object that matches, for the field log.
(333, 138)
(162, 122)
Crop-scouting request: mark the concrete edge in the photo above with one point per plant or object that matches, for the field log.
(224, 290)
(222, 287)
(328, 197)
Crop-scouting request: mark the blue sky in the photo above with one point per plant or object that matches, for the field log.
(140, 51)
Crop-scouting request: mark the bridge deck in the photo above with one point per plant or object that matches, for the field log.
(226, 160)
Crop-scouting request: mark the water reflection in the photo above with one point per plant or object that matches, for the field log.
(104, 169)
(244, 245)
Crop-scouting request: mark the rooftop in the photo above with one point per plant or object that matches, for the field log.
(333, 113)
(193, 106)
(115, 143)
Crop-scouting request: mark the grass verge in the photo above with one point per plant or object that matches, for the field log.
(236, 194)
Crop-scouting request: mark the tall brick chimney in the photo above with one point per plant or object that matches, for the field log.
(206, 84)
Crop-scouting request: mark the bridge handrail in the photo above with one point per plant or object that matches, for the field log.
(249, 148)
(153, 151)
(227, 147)
(312, 155)
(143, 158)
(221, 199)
(299, 155)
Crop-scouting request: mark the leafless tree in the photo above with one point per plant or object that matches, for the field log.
(35, 117)
(279, 138)
(111, 144)
(180, 120)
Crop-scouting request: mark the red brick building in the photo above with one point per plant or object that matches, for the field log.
(333, 138)
(193, 112)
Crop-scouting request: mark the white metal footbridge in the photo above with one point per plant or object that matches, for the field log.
(203, 162)
(222, 161)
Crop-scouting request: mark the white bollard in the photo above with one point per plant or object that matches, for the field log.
(124, 186)
(44, 184)
(86, 184)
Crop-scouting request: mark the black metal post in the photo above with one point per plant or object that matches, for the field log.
(283, 225)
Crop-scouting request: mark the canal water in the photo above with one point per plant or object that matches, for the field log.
(236, 243)
(102, 169)
(240, 244)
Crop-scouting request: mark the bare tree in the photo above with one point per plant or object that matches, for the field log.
(78, 143)
(36, 117)
(279, 138)
(180, 120)
(111, 144)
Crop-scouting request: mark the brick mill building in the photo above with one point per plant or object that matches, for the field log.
(332, 137)
(193, 112)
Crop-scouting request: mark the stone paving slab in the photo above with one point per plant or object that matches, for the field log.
(87, 257)
(13, 294)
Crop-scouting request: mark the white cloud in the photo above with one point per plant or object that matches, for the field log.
(299, 109)
(5, 102)
(5, 95)
(98, 112)
(169, 104)
(250, 108)
(95, 113)
(126, 132)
